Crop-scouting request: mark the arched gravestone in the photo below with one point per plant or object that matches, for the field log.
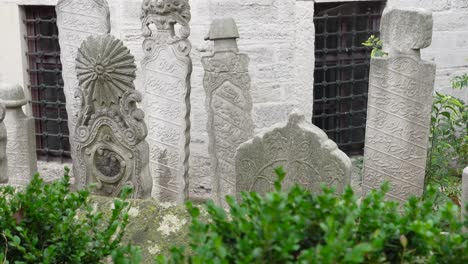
(401, 86)
(228, 103)
(167, 68)
(3, 145)
(76, 20)
(309, 158)
(110, 131)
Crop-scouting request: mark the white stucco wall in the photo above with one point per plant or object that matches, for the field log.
(278, 35)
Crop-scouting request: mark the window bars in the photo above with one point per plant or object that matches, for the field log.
(342, 70)
(46, 84)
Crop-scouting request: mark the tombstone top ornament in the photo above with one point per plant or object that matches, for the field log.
(302, 149)
(110, 131)
(223, 28)
(406, 31)
(12, 96)
(164, 15)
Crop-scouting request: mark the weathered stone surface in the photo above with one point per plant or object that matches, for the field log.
(167, 68)
(110, 131)
(406, 30)
(76, 20)
(3, 146)
(21, 145)
(228, 103)
(153, 226)
(464, 191)
(399, 106)
(302, 149)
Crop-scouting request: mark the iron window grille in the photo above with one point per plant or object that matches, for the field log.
(46, 83)
(342, 69)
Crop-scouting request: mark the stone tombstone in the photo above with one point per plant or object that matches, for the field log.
(110, 132)
(399, 106)
(76, 20)
(167, 69)
(464, 192)
(21, 145)
(228, 103)
(3, 147)
(308, 157)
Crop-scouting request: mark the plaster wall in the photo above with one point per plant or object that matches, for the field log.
(278, 35)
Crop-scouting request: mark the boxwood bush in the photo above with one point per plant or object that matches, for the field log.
(48, 223)
(300, 227)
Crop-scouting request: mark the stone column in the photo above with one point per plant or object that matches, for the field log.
(167, 68)
(399, 107)
(464, 192)
(228, 103)
(76, 20)
(110, 131)
(21, 146)
(3, 146)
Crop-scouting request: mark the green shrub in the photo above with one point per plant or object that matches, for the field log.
(47, 223)
(299, 227)
(448, 153)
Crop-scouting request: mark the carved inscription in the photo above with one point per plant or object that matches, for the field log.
(400, 99)
(167, 68)
(229, 107)
(76, 20)
(305, 152)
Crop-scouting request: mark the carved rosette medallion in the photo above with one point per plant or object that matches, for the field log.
(167, 68)
(76, 20)
(229, 107)
(399, 107)
(302, 149)
(110, 131)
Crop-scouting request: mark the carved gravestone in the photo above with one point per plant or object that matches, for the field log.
(167, 68)
(228, 103)
(399, 106)
(464, 192)
(309, 158)
(21, 145)
(3, 146)
(110, 132)
(76, 20)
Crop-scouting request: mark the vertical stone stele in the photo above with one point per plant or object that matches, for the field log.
(464, 192)
(21, 145)
(110, 132)
(3, 146)
(308, 157)
(76, 20)
(228, 103)
(167, 68)
(399, 106)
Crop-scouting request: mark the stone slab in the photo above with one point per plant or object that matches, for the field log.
(167, 68)
(309, 158)
(110, 130)
(3, 145)
(76, 20)
(228, 103)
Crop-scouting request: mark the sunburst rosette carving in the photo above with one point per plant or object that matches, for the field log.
(105, 69)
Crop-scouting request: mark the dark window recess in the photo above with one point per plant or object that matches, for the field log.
(46, 84)
(342, 70)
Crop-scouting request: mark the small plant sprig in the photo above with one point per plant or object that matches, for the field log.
(376, 44)
(460, 82)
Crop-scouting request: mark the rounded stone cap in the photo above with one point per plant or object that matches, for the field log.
(223, 28)
(12, 95)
